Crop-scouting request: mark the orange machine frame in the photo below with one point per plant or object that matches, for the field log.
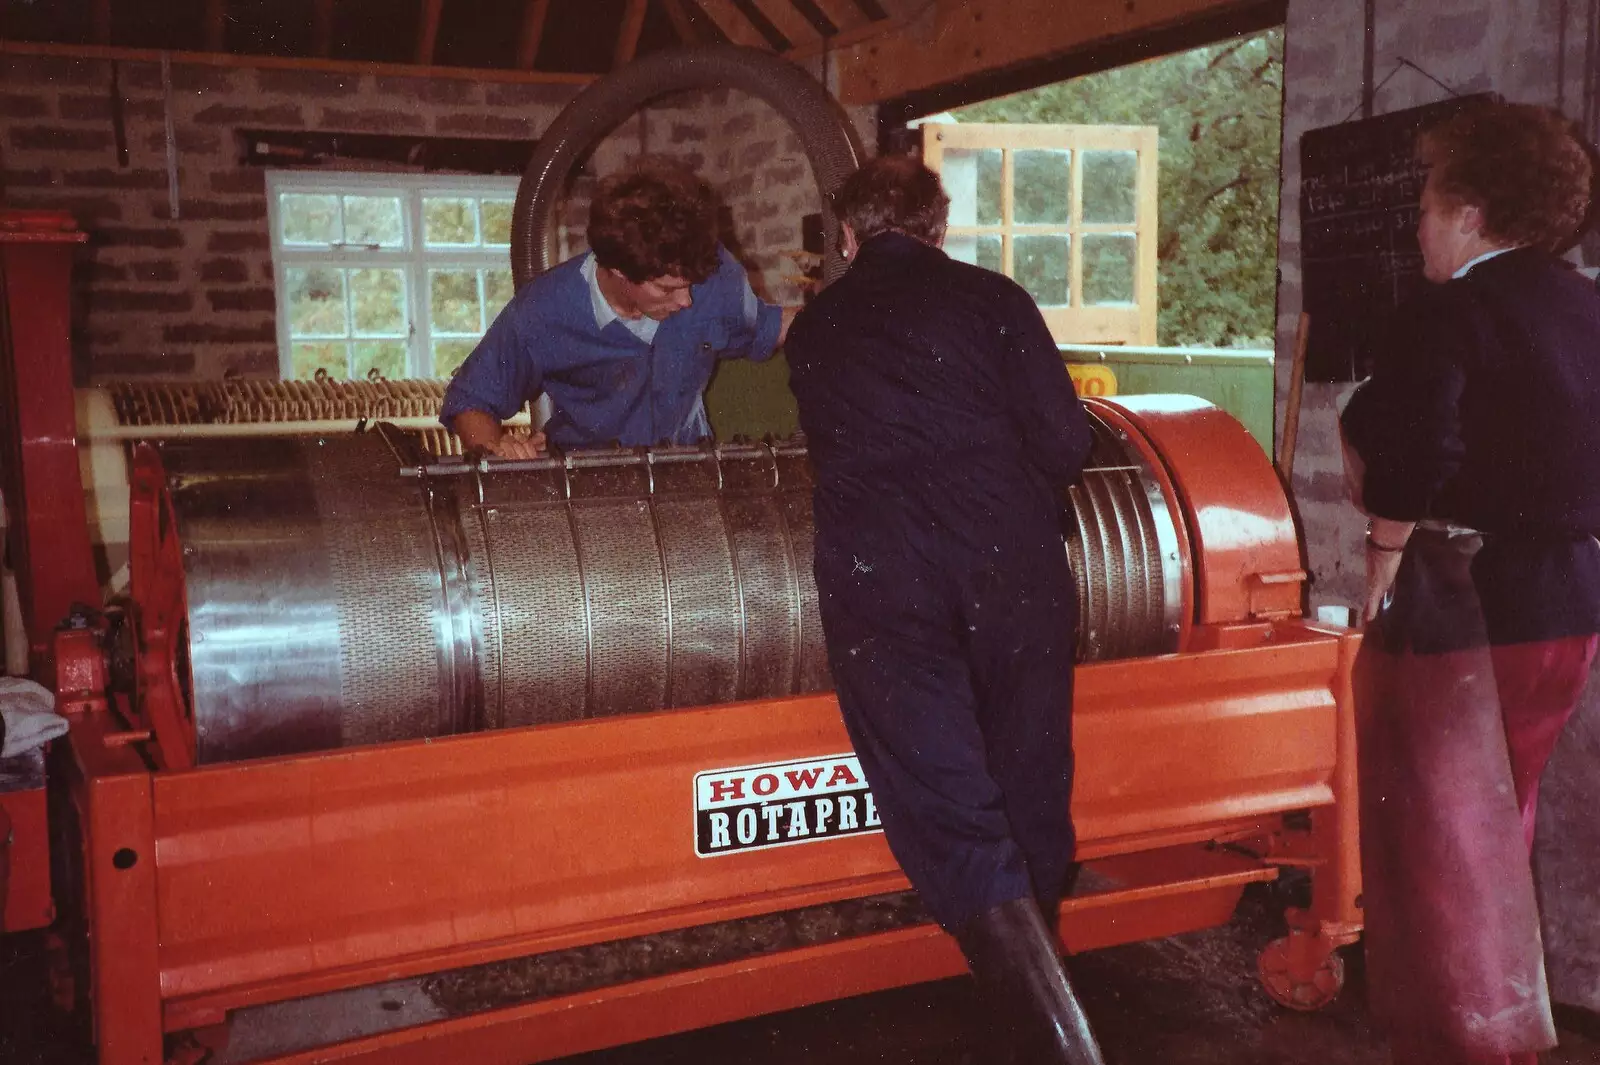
(211, 889)
(222, 887)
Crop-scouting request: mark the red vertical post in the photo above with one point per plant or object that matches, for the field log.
(49, 535)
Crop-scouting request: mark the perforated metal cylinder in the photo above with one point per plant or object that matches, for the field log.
(350, 590)
(1124, 551)
(444, 599)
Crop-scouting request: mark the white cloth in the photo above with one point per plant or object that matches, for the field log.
(605, 314)
(1467, 266)
(29, 713)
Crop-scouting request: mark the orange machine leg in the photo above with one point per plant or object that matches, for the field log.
(110, 787)
(5, 856)
(1302, 970)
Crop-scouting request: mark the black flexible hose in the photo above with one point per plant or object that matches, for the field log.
(825, 133)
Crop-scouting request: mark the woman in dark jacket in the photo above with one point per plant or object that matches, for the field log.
(1475, 450)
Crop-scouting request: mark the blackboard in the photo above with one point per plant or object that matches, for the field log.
(1360, 197)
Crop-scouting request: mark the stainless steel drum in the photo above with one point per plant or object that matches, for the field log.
(354, 589)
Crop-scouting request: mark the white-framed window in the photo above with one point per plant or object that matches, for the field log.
(398, 274)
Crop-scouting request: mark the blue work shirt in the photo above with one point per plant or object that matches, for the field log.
(605, 382)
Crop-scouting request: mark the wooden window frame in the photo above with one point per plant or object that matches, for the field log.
(1076, 323)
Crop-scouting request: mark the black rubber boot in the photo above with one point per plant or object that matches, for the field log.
(1050, 905)
(1014, 960)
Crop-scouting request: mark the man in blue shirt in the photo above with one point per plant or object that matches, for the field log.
(623, 339)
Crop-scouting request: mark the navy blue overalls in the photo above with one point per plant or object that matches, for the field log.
(944, 431)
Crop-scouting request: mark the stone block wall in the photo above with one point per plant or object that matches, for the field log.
(193, 296)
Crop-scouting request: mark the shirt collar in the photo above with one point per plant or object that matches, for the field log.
(1467, 266)
(604, 313)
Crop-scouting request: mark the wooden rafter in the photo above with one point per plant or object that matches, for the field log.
(100, 22)
(533, 17)
(681, 24)
(843, 14)
(851, 27)
(234, 61)
(628, 35)
(322, 28)
(774, 37)
(428, 31)
(704, 24)
(216, 25)
(734, 26)
(789, 21)
(952, 41)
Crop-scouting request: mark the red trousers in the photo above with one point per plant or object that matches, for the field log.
(1539, 684)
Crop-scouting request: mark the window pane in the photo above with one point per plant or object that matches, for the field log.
(497, 222)
(1043, 187)
(378, 302)
(989, 254)
(453, 302)
(972, 181)
(981, 251)
(1109, 183)
(449, 221)
(1041, 266)
(388, 357)
(374, 220)
(448, 355)
(497, 292)
(316, 302)
(1108, 260)
(309, 219)
(307, 359)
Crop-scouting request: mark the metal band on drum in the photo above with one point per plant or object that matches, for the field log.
(351, 590)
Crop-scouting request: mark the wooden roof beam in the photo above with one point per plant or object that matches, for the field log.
(959, 39)
(734, 26)
(428, 31)
(322, 28)
(788, 21)
(237, 61)
(628, 35)
(681, 23)
(216, 23)
(774, 38)
(533, 17)
(100, 22)
(843, 15)
(818, 18)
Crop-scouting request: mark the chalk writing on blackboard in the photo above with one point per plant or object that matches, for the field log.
(1360, 197)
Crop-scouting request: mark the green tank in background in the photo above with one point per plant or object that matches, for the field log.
(752, 399)
(1239, 380)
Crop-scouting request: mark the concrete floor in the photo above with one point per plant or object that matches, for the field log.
(1188, 1000)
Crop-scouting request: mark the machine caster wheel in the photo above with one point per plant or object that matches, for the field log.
(1294, 983)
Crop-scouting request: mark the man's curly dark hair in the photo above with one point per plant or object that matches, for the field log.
(1525, 166)
(655, 219)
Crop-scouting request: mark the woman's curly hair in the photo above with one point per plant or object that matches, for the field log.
(655, 219)
(1525, 166)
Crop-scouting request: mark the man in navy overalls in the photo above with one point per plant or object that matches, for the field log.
(945, 431)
